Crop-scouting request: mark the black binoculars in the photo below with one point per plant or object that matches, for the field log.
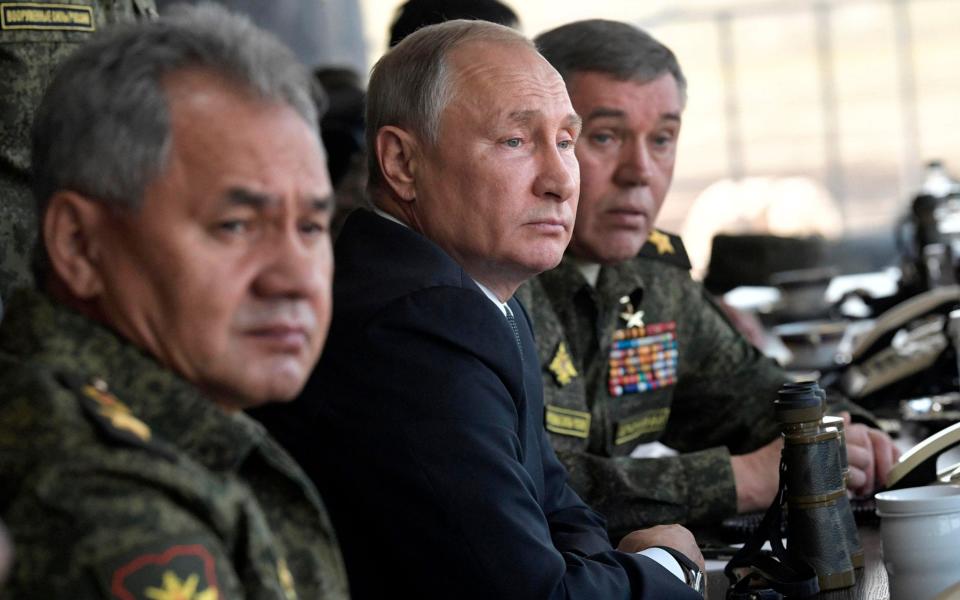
(820, 525)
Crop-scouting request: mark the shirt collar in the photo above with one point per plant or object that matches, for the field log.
(389, 217)
(589, 270)
(493, 298)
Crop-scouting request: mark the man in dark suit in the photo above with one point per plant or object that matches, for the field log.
(423, 423)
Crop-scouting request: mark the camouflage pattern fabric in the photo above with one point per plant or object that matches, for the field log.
(120, 480)
(34, 38)
(720, 403)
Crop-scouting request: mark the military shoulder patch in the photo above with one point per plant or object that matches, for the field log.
(566, 421)
(113, 417)
(185, 571)
(666, 247)
(40, 16)
(562, 366)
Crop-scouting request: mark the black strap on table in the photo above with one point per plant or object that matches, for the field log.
(774, 573)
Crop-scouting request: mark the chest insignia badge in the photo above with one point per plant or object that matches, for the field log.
(643, 358)
(562, 366)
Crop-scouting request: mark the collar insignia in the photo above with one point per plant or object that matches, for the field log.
(116, 413)
(661, 241)
(562, 366)
(286, 580)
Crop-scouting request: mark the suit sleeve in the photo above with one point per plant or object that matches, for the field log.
(430, 409)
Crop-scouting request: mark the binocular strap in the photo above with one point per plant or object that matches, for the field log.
(783, 573)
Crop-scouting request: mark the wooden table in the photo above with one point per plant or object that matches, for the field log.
(871, 579)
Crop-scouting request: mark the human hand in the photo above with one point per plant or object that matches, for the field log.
(757, 476)
(870, 455)
(673, 536)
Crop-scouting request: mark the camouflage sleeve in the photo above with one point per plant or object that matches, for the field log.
(83, 532)
(726, 387)
(633, 493)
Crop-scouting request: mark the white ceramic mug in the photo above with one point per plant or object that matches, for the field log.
(920, 529)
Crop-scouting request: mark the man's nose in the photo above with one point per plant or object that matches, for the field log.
(559, 175)
(633, 168)
(294, 267)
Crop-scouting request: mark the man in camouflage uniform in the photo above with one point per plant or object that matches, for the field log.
(185, 270)
(637, 360)
(34, 38)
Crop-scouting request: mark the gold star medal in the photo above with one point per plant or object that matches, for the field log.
(562, 366)
(630, 316)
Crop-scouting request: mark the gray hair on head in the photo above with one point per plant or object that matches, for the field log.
(411, 85)
(103, 126)
(617, 49)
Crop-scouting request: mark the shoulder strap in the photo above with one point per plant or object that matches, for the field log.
(784, 574)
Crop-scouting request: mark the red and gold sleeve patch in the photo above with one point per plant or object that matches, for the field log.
(176, 572)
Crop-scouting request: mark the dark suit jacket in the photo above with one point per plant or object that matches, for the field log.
(422, 427)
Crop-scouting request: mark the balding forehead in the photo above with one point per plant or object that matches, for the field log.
(502, 61)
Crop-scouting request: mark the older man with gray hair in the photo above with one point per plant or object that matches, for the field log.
(661, 410)
(422, 424)
(185, 275)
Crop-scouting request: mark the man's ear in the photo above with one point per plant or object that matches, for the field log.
(397, 153)
(71, 225)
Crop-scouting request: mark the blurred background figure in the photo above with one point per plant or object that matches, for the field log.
(342, 130)
(415, 14)
(34, 38)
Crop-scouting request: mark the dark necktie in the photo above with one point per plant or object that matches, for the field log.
(516, 332)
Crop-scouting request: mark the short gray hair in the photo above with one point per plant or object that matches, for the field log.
(103, 126)
(617, 49)
(410, 86)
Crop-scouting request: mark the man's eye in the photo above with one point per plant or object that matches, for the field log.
(313, 227)
(513, 143)
(601, 138)
(663, 140)
(565, 144)
(233, 226)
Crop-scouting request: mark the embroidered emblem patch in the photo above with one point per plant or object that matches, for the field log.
(648, 422)
(185, 572)
(661, 241)
(643, 358)
(565, 421)
(46, 17)
(562, 366)
(115, 413)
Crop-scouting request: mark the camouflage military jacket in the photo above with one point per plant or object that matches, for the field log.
(118, 479)
(646, 356)
(35, 37)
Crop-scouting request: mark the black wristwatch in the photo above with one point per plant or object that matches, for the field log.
(694, 577)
